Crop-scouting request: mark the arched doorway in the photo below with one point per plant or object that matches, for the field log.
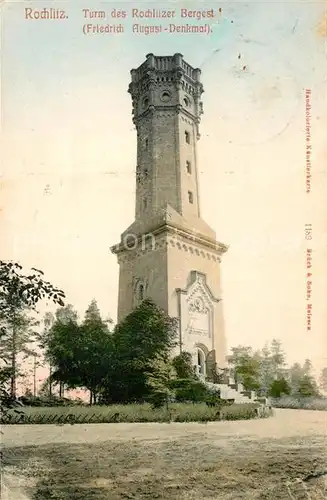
(201, 360)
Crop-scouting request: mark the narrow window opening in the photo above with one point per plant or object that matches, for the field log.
(201, 362)
(141, 292)
(188, 167)
(146, 143)
(186, 102)
(190, 196)
(187, 137)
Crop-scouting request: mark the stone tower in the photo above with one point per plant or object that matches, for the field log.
(169, 253)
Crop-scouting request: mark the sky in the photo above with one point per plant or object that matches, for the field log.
(67, 187)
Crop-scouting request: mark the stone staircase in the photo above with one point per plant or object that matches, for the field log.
(231, 390)
(228, 392)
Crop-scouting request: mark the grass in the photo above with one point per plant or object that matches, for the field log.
(206, 466)
(178, 412)
(310, 403)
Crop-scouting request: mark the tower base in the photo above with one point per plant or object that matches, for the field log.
(180, 271)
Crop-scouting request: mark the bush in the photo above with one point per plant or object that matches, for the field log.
(190, 390)
(158, 399)
(309, 403)
(133, 413)
(52, 401)
(279, 388)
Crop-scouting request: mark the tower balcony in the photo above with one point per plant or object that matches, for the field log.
(164, 64)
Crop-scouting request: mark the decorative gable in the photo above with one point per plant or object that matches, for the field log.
(197, 310)
(199, 296)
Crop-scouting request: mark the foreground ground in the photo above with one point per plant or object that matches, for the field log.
(283, 457)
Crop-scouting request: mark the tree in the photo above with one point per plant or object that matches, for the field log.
(307, 387)
(295, 374)
(48, 322)
(24, 291)
(56, 327)
(323, 379)
(159, 379)
(277, 358)
(60, 343)
(302, 381)
(45, 390)
(5, 377)
(66, 315)
(19, 294)
(92, 314)
(245, 366)
(28, 394)
(80, 354)
(17, 339)
(266, 370)
(183, 366)
(307, 368)
(272, 367)
(279, 388)
(96, 350)
(146, 333)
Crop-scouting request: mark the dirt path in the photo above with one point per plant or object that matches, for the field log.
(283, 457)
(9, 490)
(285, 423)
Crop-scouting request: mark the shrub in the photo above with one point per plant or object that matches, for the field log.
(309, 403)
(190, 390)
(158, 399)
(42, 401)
(133, 413)
(279, 388)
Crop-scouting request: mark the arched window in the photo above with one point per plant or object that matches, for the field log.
(201, 362)
(141, 292)
(140, 289)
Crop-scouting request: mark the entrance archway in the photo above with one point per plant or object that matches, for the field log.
(201, 360)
